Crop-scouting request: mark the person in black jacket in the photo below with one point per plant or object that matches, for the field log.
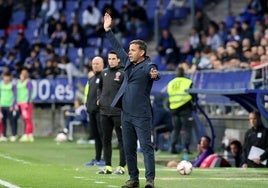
(94, 111)
(256, 136)
(133, 98)
(110, 118)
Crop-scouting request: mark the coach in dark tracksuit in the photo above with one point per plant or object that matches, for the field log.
(93, 109)
(134, 99)
(256, 136)
(111, 80)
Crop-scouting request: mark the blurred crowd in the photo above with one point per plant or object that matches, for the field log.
(46, 36)
(237, 42)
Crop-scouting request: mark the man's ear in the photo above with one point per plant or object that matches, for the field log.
(142, 52)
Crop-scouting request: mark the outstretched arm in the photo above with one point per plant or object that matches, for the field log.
(117, 47)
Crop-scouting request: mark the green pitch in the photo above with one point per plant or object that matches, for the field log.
(47, 164)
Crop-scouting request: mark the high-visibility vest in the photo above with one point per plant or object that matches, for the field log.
(176, 92)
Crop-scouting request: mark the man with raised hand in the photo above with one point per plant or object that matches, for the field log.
(133, 98)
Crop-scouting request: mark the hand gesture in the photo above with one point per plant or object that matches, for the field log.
(153, 73)
(107, 22)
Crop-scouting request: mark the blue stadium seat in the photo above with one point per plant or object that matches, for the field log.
(11, 40)
(33, 24)
(72, 53)
(94, 41)
(31, 35)
(180, 13)
(71, 6)
(229, 21)
(157, 59)
(143, 33)
(90, 52)
(18, 17)
(85, 4)
(118, 4)
(151, 7)
(102, 3)
(60, 51)
(2, 32)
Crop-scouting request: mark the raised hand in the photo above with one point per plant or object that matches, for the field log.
(153, 73)
(107, 22)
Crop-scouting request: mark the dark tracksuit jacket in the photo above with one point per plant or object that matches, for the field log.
(112, 78)
(259, 138)
(91, 101)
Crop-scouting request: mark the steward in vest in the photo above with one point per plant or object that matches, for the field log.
(180, 104)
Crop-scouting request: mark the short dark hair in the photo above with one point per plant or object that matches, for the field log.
(113, 52)
(141, 43)
(180, 72)
(7, 74)
(256, 113)
(207, 137)
(237, 143)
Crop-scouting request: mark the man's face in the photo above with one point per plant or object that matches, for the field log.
(6, 79)
(204, 142)
(253, 120)
(97, 65)
(135, 53)
(234, 149)
(113, 60)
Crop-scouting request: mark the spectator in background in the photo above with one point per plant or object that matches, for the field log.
(246, 32)
(51, 26)
(126, 17)
(23, 46)
(10, 62)
(75, 36)
(33, 8)
(63, 22)
(74, 117)
(138, 17)
(3, 45)
(254, 8)
(180, 104)
(167, 48)
(234, 35)
(5, 13)
(205, 151)
(201, 21)
(70, 69)
(58, 37)
(49, 10)
(213, 39)
(29, 61)
(223, 31)
(203, 63)
(49, 71)
(235, 148)
(37, 70)
(91, 18)
(256, 136)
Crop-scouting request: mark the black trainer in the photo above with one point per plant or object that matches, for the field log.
(149, 184)
(131, 184)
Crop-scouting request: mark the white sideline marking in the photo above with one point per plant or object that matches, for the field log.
(15, 159)
(7, 184)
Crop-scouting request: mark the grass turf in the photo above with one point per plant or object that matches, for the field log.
(47, 164)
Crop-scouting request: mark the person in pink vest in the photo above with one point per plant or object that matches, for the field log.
(24, 102)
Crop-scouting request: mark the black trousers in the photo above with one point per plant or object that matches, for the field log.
(109, 123)
(12, 118)
(182, 128)
(96, 132)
